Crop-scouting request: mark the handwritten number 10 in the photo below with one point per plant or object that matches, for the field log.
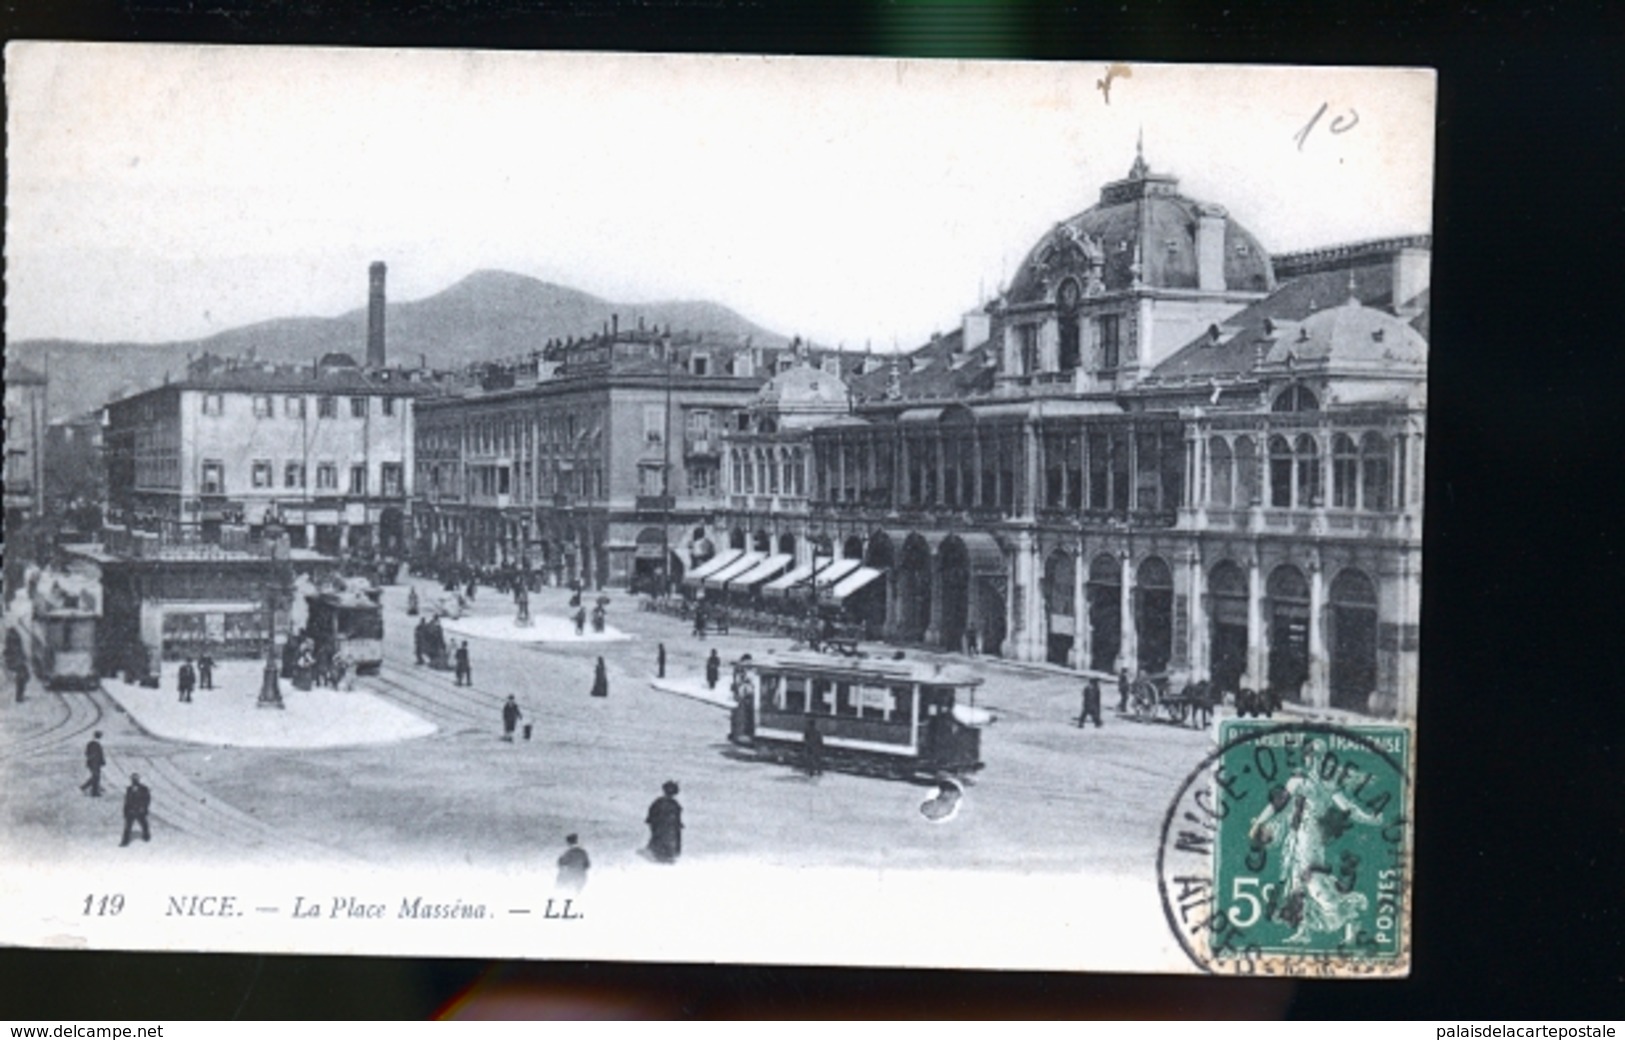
(1339, 124)
(104, 906)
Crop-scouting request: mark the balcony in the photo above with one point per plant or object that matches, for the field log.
(655, 503)
(702, 448)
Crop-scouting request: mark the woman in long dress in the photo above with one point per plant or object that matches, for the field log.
(665, 822)
(600, 680)
(1310, 897)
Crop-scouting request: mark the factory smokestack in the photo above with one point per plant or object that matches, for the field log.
(375, 315)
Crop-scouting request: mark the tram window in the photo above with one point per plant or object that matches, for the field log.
(934, 700)
(873, 702)
(902, 699)
(845, 702)
(795, 694)
(821, 697)
(363, 624)
(769, 687)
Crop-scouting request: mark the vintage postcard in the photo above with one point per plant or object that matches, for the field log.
(685, 508)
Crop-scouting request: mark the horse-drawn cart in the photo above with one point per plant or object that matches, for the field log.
(1151, 697)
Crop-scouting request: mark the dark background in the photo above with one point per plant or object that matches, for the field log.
(1519, 826)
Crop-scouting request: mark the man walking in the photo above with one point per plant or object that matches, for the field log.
(812, 746)
(465, 671)
(1091, 703)
(95, 759)
(137, 800)
(186, 680)
(16, 661)
(205, 671)
(660, 662)
(713, 669)
(510, 718)
(1122, 690)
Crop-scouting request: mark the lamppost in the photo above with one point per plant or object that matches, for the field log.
(666, 500)
(270, 688)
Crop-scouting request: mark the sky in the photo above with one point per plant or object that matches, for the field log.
(162, 192)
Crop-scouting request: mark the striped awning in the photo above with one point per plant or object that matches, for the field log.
(835, 572)
(711, 566)
(768, 568)
(718, 578)
(844, 587)
(782, 585)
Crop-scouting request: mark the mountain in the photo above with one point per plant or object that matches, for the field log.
(486, 316)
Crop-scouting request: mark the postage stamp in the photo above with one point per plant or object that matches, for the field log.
(1288, 851)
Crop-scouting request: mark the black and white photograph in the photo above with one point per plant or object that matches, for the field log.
(693, 508)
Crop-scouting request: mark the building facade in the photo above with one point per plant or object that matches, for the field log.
(1160, 450)
(326, 449)
(598, 462)
(25, 464)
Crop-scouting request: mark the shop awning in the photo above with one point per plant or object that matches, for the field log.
(768, 568)
(711, 566)
(782, 585)
(835, 572)
(718, 578)
(852, 583)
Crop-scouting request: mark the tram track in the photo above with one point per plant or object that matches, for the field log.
(80, 714)
(457, 711)
(182, 803)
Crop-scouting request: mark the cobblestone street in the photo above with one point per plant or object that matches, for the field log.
(1052, 797)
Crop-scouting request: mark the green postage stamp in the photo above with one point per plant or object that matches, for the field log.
(1288, 851)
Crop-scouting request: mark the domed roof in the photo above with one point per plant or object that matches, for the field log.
(1141, 232)
(804, 385)
(1351, 335)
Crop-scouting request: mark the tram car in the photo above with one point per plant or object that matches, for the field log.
(889, 717)
(56, 626)
(350, 624)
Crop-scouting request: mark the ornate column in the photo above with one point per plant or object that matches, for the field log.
(933, 629)
(1196, 627)
(1079, 658)
(1257, 638)
(1128, 653)
(1317, 691)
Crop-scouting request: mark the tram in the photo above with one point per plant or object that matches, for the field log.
(350, 624)
(889, 717)
(55, 621)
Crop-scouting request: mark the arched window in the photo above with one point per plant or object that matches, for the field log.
(1067, 319)
(1296, 398)
(1220, 464)
(1376, 473)
(1248, 492)
(1345, 472)
(1308, 456)
(1280, 473)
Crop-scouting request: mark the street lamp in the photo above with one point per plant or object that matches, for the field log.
(270, 688)
(666, 500)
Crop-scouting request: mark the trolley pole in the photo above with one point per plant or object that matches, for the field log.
(270, 687)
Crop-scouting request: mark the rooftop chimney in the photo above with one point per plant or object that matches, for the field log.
(375, 315)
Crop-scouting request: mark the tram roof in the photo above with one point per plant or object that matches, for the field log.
(889, 669)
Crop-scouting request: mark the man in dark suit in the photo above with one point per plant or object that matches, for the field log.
(205, 671)
(95, 759)
(137, 800)
(187, 680)
(465, 671)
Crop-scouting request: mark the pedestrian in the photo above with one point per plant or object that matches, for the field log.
(660, 661)
(137, 800)
(600, 680)
(1122, 690)
(205, 671)
(510, 718)
(1091, 703)
(95, 759)
(573, 865)
(412, 603)
(713, 669)
(420, 639)
(186, 680)
(19, 674)
(470, 590)
(465, 671)
(665, 820)
(812, 746)
(699, 621)
(581, 620)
